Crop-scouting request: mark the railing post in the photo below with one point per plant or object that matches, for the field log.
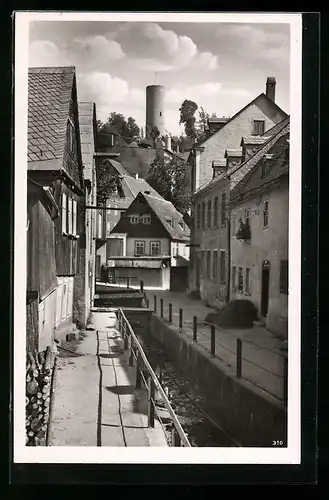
(138, 372)
(155, 303)
(285, 380)
(125, 336)
(170, 312)
(180, 319)
(161, 307)
(175, 439)
(131, 356)
(212, 337)
(142, 286)
(195, 328)
(147, 303)
(238, 358)
(128, 283)
(151, 391)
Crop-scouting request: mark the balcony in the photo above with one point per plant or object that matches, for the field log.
(244, 232)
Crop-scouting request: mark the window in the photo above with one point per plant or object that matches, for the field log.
(265, 168)
(214, 265)
(216, 211)
(247, 217)
(160, 113)
(284, 277)
(234, 278)
(265, 214)
(134, 219)
(64, 213)
(155, 247)
(247, 287)
(198, 216)
(169, 221)
(240, 280)
(146, 219)
(70, 134)
(208, 264)
(202, 264)
(74, 229)
(100, 224)
(203, 215)
(223, 211)
(222, 266)
(233, 224)
(209, 213)
(69, 215)
(139, 247)
(259, 127)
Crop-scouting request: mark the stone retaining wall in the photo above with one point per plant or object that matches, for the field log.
(246, 413)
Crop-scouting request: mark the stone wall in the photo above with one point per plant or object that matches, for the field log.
(246, 413)
(39, 374)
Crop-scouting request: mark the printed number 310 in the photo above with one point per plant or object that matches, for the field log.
(277, 443)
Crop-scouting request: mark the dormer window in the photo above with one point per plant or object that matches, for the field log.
(266, 166)
(170, 222)
(259, 127)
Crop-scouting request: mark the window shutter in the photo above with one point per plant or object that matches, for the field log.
(69, 214)
(64, 208)
(74, 231)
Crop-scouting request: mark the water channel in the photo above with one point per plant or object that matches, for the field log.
(191, 408)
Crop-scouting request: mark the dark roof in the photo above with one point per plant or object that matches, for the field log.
(216, 119)
(171, 219)
(87, 119)
(233, 153)
(278, 166)
(49, 94)
(219, 163)
(166, 211)
(239, 112)
(254, 140)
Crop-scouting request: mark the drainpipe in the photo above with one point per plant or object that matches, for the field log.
(228, 258)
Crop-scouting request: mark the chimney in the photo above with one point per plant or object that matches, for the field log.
(168, 142)
(136, 175)
(270, 87)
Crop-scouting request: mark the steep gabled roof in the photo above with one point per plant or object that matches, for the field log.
(166, 212)
(135, 186)
(87, 119)
(170, 218)
(49, 94)
(276, 132)
(119, 167)
(262, 95)
(278, 166)
(272, 133)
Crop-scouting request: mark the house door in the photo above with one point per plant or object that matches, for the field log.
(265, 287)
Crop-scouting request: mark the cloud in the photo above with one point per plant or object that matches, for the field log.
(255, 42)
(163, 50)
(46, 53)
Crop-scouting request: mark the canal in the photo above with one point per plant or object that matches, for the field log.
(192, 409)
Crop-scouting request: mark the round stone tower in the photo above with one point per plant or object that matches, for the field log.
(155, 109)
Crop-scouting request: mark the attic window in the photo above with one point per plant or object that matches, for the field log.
(170, 222)
(181, 225)
(259, 127)
(266, 165)
(70, 134)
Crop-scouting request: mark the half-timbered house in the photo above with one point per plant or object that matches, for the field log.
(54, 162)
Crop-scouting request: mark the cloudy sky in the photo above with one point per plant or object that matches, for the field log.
(220, 66)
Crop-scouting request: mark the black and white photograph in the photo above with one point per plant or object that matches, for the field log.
(157, 237)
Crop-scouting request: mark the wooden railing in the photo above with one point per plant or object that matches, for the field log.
(137, 355)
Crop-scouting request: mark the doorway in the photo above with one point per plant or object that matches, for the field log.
(265, 287)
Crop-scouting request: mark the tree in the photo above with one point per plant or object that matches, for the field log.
(170, 178)
(99, 125)
(203, 121)
(127, 129)
(187, 111)
(107, 184)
